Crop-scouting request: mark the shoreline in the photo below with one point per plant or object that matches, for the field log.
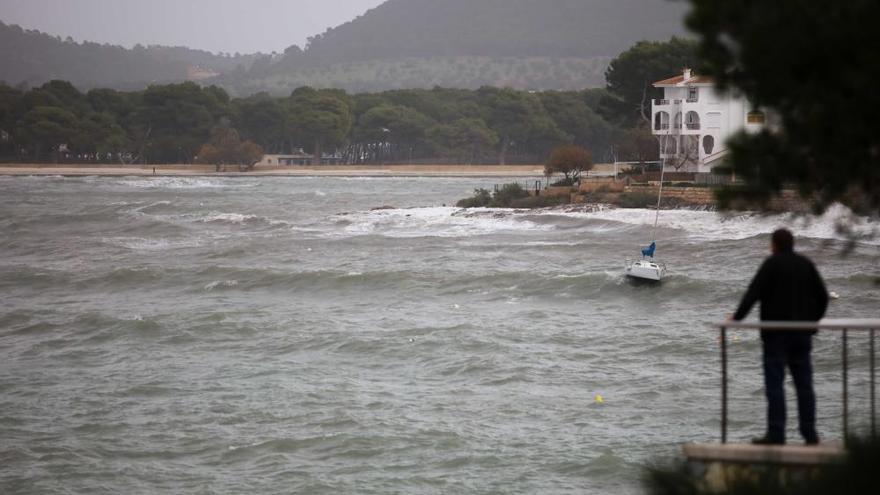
(175, 170)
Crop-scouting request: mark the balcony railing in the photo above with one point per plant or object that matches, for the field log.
(661, 127)
(694, 126)
(842, 326)
(693, 100)
(660, 103)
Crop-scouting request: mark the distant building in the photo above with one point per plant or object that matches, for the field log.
(298, 158)
(694, 120)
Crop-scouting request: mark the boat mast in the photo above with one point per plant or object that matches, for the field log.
(660, 192)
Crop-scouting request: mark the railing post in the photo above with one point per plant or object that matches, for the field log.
(845, 391)
(723, 384)
(873, 392)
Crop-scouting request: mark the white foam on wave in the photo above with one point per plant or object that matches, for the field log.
(437, 222)
(227, 217)
(220, 283)
(151, 244)
(183, 183)
(701, 224)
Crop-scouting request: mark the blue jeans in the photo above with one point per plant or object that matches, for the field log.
(793, 351)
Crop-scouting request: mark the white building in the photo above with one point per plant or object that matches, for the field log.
(694, 120)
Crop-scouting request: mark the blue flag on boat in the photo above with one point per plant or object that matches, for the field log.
(649, 251)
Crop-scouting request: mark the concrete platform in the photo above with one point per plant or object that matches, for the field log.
(789, 455)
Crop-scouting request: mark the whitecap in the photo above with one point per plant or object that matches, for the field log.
(151, 244)
(436, 222)
(221, 283)
(710, 225)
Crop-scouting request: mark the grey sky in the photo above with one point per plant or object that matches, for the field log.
(244, 26)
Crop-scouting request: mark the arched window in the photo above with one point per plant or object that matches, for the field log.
(661, 121)
(708, 144)
(692, 120)
(671, 145)
(678, 120)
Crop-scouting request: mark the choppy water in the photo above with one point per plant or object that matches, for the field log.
(275, 335)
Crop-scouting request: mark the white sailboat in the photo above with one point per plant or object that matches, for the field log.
(647, 268)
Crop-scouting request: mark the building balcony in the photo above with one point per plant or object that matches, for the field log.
(692, 100)
(661, 103)
(693, 126)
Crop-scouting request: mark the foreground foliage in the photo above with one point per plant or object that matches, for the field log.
(856, 475)
(813, 64)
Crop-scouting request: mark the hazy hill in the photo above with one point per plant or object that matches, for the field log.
(497, 28)
(32, 57)
(525, 44)
(528, 44)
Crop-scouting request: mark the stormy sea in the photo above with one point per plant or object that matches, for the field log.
(354, 335)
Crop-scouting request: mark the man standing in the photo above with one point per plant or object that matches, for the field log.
(790, 289)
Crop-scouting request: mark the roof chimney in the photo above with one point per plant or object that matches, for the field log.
(687, 73)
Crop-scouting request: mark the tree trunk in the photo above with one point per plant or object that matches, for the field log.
(502, 157)
(316, 160)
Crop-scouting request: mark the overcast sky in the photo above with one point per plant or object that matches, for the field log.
(244, 26)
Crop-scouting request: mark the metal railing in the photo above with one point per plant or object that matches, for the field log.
(661, 102)
(527, 185)
(694, 126)
(844, 326)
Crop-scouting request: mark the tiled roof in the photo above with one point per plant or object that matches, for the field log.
(674, 81)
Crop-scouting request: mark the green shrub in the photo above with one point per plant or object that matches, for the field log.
(637, 200)
(504, 197)
(480, 199)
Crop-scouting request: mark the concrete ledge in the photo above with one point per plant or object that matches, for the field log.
(793, 455)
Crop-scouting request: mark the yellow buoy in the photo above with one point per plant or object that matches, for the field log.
(599, 399)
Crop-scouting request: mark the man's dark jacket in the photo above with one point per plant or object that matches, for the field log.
(789, 288)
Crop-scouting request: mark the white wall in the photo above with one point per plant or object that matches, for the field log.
(720, 116)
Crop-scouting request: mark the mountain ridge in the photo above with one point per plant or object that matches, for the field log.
(527, 44)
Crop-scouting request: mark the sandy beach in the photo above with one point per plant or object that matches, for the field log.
(305, 171)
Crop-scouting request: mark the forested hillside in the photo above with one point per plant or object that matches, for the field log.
(32, 58)
(174, 123)
(524, 44)
(468, 72)
(496, 28)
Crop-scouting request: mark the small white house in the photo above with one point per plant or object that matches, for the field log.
(298, 158)
(693, 121)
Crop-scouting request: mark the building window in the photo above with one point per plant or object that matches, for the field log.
(693, 94)
(708, 144)
(661, 121)
(678, 120)
(755, 118)
(692, 120)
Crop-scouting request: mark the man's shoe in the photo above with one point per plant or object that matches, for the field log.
(767, 441)
(811, 441)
